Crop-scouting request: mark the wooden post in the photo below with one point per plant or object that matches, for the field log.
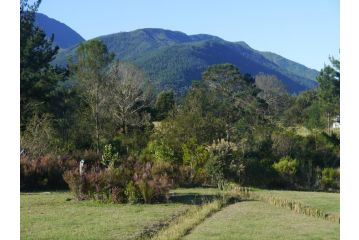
(82, 167)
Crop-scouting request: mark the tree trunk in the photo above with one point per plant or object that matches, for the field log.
(97, 121)
(97, 135)
(328, 118)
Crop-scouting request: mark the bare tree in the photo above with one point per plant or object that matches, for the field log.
(38, 137)
(130, 93)
(273, 92)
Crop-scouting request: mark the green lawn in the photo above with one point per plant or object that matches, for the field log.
(50, 216)
(258, 220)
(328, 202)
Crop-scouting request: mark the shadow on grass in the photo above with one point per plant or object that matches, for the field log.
(199, 199)
(43, 192)
(192, 198)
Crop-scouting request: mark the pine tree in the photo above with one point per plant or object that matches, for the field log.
(38, 78)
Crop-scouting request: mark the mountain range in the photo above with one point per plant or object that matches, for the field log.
(172, 59)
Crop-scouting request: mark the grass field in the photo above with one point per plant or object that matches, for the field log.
(328, 202)
(54, 216)
(258, 220)
(50, 216)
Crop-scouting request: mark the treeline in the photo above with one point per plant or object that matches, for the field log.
(228, 127)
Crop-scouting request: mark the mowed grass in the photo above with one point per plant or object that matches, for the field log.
(50, 216)
(328, 202)
(250, 220)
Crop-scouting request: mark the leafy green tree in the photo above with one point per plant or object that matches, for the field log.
(314, 116)
(223, 164)
(235, 96)
(329, 89)
(38, 78)
(164, 104)
(93, 60)
(195, 155)
(329, 83)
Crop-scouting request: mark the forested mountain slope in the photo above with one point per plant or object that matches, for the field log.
(173, 59)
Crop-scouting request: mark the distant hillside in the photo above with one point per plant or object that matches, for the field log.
(65, 36)
(173, 59)
(291, 66)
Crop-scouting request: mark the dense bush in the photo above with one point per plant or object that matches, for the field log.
(330, 178)
(131, 182)
(223, 163)
(44, 172)
(97, 184)
(286, 167)
(153, 186)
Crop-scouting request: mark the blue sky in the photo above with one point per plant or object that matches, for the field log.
(306, 31)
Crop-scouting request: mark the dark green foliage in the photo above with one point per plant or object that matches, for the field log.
(93, 60)
(195, 157)
(329, 84)
(316, 108)
(38, 79)
(164, 104)
(291, 67)
(330, 178)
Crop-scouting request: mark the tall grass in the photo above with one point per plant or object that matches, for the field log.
(185, 223)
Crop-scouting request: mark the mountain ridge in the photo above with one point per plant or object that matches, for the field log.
(172, 59)
(64, 36)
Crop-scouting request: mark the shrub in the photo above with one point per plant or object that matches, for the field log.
(330, 178)
(38, 139)
(109, 156)
(43, 172)
(153, 186)
(131, 193)
(161, 151)
(73, 180)
(223, 164)
(120, 184)
(286, 167)
(97, 184)
(195, 156)
(116, 195)
(90, 157)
